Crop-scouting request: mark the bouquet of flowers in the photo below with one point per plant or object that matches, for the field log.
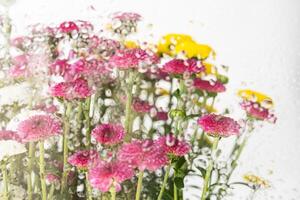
(91, 114)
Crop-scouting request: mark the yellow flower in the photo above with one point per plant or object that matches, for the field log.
(131, 44)
(256, 180)
(250, 95)
(166, 43)
(209, 108)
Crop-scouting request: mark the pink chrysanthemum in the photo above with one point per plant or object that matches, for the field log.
(46, 108)
(209, 86)
(179, 66)
(255, 110)
(108, 134)
(140, 106)
(218, 125)
(9, 135)
(38, 127)
(161, 116)
(83, 159)
(173, 145)
(78, 89)
(68, 27)
(52, 178)
(143, 155)
(104, 175)
(132, 58)
(127, 16)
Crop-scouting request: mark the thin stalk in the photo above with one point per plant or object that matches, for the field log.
(175, 195)
(113, 192)
(88, 122)
(139, 186)
(5, 180)
(128, 110)
(30, 164)
(209, 170)
(88, 187)
(162, 189)
(51, 192)
(65, 147)
(42, 170)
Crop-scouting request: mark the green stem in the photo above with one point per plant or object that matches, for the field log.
(88, 122)
(30, 164)
(65, 147)
(88, 187)
(175, 195)
(162, 189)
(209, 170)
(5, 180)
(42, 170)
(139, 186)
(51, 192)
(128, 110)
(113, 192)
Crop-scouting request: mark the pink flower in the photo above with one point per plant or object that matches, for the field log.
(255, 110)
(46, 108)
(161, 116)
(68, 27)
(52, 178)
(9, 135)
(133, 58)
(140, 106)
(108, 134)
(179, 66)
(209, 86)
(172, 145)
(218, 125)
(38, 127)
(20, 42)
(78, 89)
(104, 175)
(83, 159)
(143, 155)
(127, 16)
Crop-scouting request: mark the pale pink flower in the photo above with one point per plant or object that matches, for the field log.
(105, 175)
(173, 145)
(38, 127)
(84, 158)
(52, 178)
(255, 110)
(68, 27)
(46, 108)
(9, 135)
(209, 86)
(133, 58)
(140, 106)
(127, 16)
(108, 134)
(143, 154)
(180, 66)
(78, 89)
(20, 42)
(218, 125)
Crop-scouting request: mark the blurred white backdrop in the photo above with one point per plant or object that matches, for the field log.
(258, 39)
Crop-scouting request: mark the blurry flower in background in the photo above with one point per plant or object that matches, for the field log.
(84, 158)
(172, 145)
(256, 181)
(10, 144)
(108, 134)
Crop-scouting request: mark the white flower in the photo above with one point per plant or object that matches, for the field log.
(10, 148)
(18, 93)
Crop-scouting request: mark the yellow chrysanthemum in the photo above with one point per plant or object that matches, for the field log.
(164, 45)
(256, 180)
(131, 44)
(250, 95)
(192, 49)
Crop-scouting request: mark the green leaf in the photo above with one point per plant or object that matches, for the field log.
(179, 182)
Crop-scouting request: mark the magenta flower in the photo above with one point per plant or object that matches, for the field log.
(218, 125)
(133, 58)
(173, 145)
(209, 86)
(78, 89)
(255, 110)
(179, 66)
(161, 116)
(68, 27)
(38, 127)
(140, 106)
(104, 175)
(143, 155)
(108, 134)
(83, 159)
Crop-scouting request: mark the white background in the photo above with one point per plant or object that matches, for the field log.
(258, 39)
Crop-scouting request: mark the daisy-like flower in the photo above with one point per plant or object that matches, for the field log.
(140, 106)
(180, 66)
(78, 89)
(105, 175)
(218, 125)
(108, 134)
(133, 58)
(38, 127)
(124, 23)
(10, 144)
(209, 86)
(173, 145)
(257, 181)
(84, 158)
(68, 27)
(143, 154)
